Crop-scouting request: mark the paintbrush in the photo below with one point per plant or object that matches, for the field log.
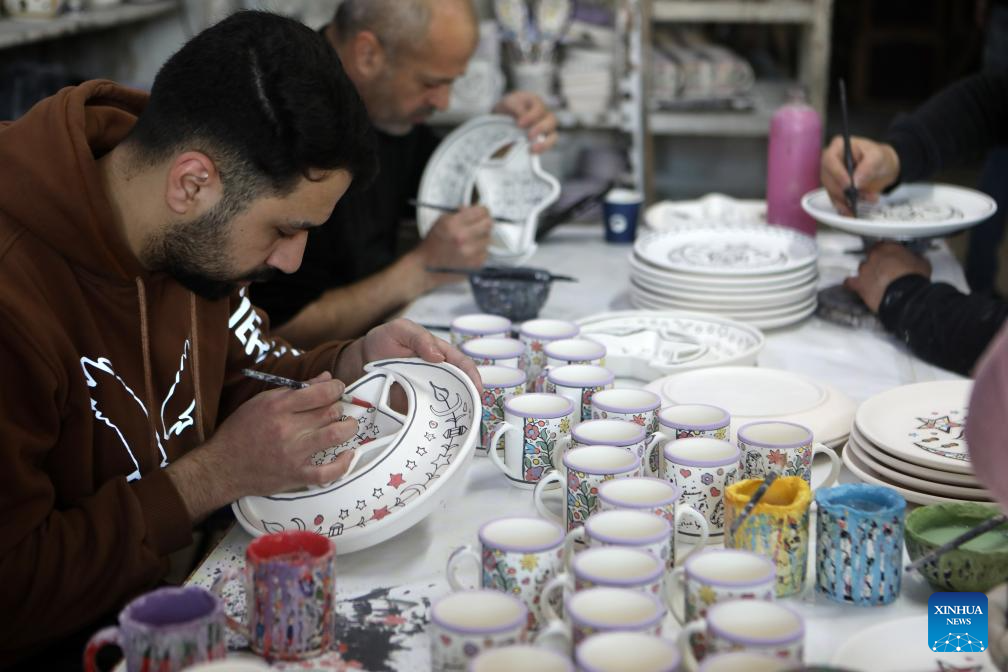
(969, 534)
(447, 208)
(516, 273)
(850, 192)
(753, 501)
(280, 381)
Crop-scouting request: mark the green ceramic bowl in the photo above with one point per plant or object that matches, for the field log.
(978, 565)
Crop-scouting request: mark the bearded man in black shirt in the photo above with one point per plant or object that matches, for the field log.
(403, 56)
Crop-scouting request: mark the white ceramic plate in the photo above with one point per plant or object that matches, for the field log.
(713, 208)
(761, 283)
(865, 474)
(751, 394)
(901, 646)
(911, 469)
(645, 302)
(921, 423)
(646, 345)
(726, 300)
(735, 312)
(918, 484)
(910, 211)
(403, 480)
(732, 249)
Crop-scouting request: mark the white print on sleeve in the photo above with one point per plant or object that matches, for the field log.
(99, 373)
(245, 322)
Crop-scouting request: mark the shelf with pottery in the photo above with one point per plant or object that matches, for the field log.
(16, 31)
(566, 119)
(767, 97)
(735, 11)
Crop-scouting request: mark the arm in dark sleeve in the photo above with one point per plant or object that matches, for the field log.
(954, 126)
(940, 324)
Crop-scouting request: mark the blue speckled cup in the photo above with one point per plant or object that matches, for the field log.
(859, 545)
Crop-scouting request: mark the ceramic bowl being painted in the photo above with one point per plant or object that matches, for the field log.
(516, 293)
(977, 565)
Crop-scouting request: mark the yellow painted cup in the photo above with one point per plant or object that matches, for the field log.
(777, 528)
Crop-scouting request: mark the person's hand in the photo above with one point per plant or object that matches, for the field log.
(532, 115)
(886, 262)
(876, 166)
(456, 240)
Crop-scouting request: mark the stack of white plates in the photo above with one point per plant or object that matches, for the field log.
(763, 275)
(586, 81)
(910, 438)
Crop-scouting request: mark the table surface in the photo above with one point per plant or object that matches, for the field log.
(385, 590)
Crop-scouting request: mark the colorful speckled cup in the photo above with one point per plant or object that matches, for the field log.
(859, 543)
(290, 595)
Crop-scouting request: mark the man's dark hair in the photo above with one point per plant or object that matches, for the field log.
(267, 99)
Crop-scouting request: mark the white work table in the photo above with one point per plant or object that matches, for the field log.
(384, 629)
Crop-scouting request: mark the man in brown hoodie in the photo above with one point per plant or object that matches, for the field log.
(130, 228)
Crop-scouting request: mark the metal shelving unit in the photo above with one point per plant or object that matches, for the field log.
(15, 32)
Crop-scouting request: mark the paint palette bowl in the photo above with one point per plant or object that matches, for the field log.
(516, 293)
(977, 565)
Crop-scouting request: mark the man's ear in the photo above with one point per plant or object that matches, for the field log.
(194, 185)
(369, 55)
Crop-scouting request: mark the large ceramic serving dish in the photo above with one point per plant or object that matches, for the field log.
(901, 646)
(976, 566)
(488, 160)
(646, 345)
(405, 461)
(910, 211)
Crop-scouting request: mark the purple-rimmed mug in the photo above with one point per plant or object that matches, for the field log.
(719, 575)
(466, 623)
(166, 629)
(518, 556)
(536, 428)
(579, 382)
(585, 468)
(524, 657)
(637, 406)
(744, 661)
(683, 421)
(494, 351)
(785, 448)
(500, 383)
(604, 609)
(633, 529)
(535, 334)
(622, 433)
(479, 325)
(607, 651)
(747, 625)
(702, 468)
(574, 351)
(656, 497)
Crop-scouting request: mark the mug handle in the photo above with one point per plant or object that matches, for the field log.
(556, 636)
(105, 637)
(685, 635)
(675, 593)
(455, 559)
(683, 511)
(552, 476)
(562, 582)
(494, 453)
(574, 536)
(654, 443)
(217, 589)
(834, 459)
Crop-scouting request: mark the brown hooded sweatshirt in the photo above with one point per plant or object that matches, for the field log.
(108, 373)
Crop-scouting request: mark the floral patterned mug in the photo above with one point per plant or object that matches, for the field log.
(614, 566)
(579, 382)
(524, 657)
(637, 406)
(719, 575)
(573, 351)
(494, 351)
(605, 609)
(500, 383)
(627, 651)
(517, 556)
(683, 421)
(466, 623)
(536, 427)
(702, 468)
(585, 469)
(535, 334)
(785, 448)
(479, 325)
(750, 625)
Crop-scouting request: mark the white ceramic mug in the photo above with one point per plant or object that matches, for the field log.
(622, 433)
(585, 469)
(479, 325)
(612, 566)
(683, 421)
(500, 383)
(634, 529)
(524, 657)
(659, 498)
(466, 623)
(637, 406)
(751, 625)
(494, 351)
(536, 426)
(702, 468)
(574, 351)
(785, 448)
(745, 661)
(606, 609)
(579, 382)
(719, 575)
(518, 556)
(608, 651)
(535, 334)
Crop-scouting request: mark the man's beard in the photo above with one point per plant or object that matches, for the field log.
(195, 254)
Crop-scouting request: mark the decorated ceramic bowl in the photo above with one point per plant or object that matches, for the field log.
(516, 293)
(976, 566)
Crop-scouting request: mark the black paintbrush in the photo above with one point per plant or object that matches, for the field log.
(753, 501)
(850, 192)
(447, 208)
(516, 273)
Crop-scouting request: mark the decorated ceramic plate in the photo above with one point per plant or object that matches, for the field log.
(789, 297)
(865, 473)
(900, 646)
(910, 211)
(909, 468)
(758, 283)
(695, 286)
(712, 208)
(731, 250)
(648, 344)
(773, 318)
(921, 423)
(750, 394)
(402, 469)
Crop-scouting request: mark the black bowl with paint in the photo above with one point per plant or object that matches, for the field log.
(517, 293)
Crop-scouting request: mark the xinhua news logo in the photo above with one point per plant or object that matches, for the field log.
(957, 622)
